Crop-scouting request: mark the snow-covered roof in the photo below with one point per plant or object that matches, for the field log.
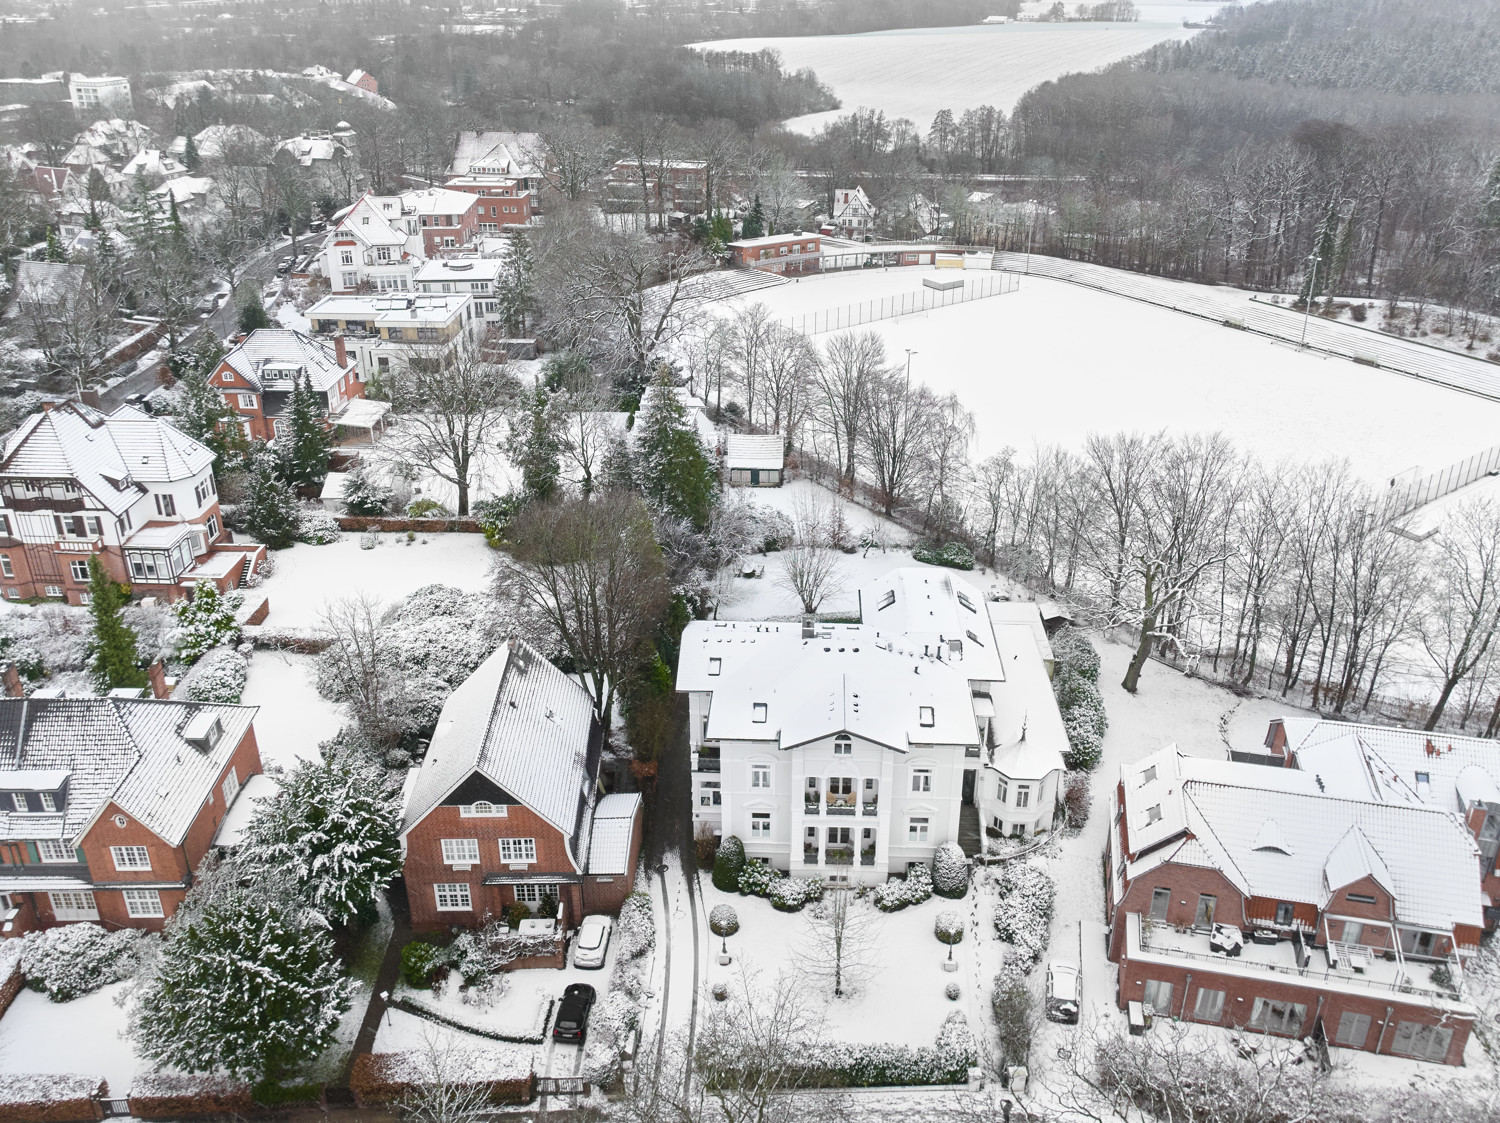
(1029, 732)
(462, 269)
(370, 219)
(526, 727)
(46, 281)
(131, 751)
(152, 162)
(308, 150)
(285, 350)
(423, 308)
(940, 613)
(773, 240)
(498, 153)
(754, 450)
(851, 200)
(214, 141)
(437, 200)
(185, 188)
(107, 456)
(614, 824)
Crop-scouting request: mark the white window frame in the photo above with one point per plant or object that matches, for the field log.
(710, 794)
(532, 892)
(1214, 1011)
(843, 745)
(18, 802)
(918, 829)
(926, 717)
(49, 801)
(482, 809)
(61, 851)
(758, 712)
(231, 786)
(74, 904)
(1158, 995)
(1023, 795)
(143, 903)
(452, 896)
(460, 851)
(760, 825)
(79, 568)
(247, 401)
(760, 777)
(921, 780)
(126, 857)
(518, 850)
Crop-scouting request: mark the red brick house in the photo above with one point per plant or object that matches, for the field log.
(779, 253)
(107, 805)
(502, 200)
(364, 80)
(1460, 775)
(506, 806)
(1246, 897)
(130, 489)
(258, 375)
(445, 219)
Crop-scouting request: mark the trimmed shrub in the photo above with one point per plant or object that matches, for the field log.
(270, 1093)
(723, 921)
(729, 863)
(75, 959)
(952, 991)
(1075, 683)
(1023, 917)
(896, 894)
(50, 1097)
(386, 1078)
(418, 961)
(317, 527)
(171, 1095)
(949, 927)
(1015, 1016)
(1076, 798)
(1072, 651)
(427, 509)
(635, 930)
(789, 894)
(953, 555)
(494, 516)
(755, 879)
(947, 1061)
(950, 871)
(217, 677)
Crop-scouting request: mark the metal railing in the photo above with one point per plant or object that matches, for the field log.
(976, 287)
(1407, 497)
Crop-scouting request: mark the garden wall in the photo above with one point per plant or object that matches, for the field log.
(50, 1098)
(508, 1073)
(420, 526)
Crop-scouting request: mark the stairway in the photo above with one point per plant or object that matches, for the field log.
(969, 835)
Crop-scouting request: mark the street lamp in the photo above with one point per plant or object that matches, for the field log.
(1312, 286)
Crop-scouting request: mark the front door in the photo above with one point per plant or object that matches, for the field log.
(969, 777)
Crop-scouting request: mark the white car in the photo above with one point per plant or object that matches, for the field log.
(1062, 992)
(592, 942)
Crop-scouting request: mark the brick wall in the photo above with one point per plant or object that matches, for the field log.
(606, 894)
(1186, 883)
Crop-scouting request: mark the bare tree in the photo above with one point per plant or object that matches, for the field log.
(591, 569)
(813, 572)
(71, 321)
(790, 360)
(586, 434)
(442, 1090)
(900, 419)
(452, 402)
(357, 667)
(752, 330)
(852, 362)
(838, 949)
(572, 154)
(1463, 608)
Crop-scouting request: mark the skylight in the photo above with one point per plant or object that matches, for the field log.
(757, 711)
(927, 716)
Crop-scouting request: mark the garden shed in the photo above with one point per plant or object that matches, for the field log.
(755, 460)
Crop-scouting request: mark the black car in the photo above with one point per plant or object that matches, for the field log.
(573, 1014)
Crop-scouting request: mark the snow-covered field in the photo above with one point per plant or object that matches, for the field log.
(916, 72)
(1051, 362)
(85, 1036)
(294, 719)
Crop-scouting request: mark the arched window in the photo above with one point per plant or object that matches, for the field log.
(484, 808)
(843, 745)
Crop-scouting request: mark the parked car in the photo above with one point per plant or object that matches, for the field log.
(1063, 991)
(592, 942)
(284, 265)
(572, 1024)
(208, 305)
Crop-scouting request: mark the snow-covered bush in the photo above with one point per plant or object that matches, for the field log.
(774, 529)
(364, 495)
(1023, 917)
(75, 959)
(723, 921)
(953, 555)
(206, 621)
(478, 955)
(369, 539)
(851, 1065)
(952, 991)
(1075, 683)
(896, 894)
(219, 676)
(427, 509)
(1074, 654)
(317, 527)
(789, 894)
(635, 930)
(756, 879)
(950, 871)
(45, 640)
(1076, 799)
(729, 863)
(949, 927)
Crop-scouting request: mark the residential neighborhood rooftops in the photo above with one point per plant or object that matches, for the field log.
(433, 307)
(495, 152)
(938, 613)
(467, 268)
(614, 822)
(287, 354)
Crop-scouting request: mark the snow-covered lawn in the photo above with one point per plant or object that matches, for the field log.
(308, 577)
(1053, 362)
(294, 719)
(918, 71)
(85, 1036)
(900, 999)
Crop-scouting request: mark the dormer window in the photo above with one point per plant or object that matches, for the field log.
(715, 665)
(1424, 778)
(1153, 814)
(888, 599)
(1149, 776)
(203, 730)
(926, 716)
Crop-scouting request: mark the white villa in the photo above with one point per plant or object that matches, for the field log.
(851, 751)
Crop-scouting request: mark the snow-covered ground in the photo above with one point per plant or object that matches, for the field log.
(308, 577)
(85, 1036)
(294, 719)
(916, 72)
(1051, 362)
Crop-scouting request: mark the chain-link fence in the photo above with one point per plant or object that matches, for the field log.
(979, 287)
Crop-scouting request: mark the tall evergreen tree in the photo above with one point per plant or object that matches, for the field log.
(305, 448)
(142, 217)
(190, 158)
(755, 221)
(270, 509)
(54, 246)
(174, 220)
(364, 495)
(534, 445)
(113, 656)
(517, 288)
(253, 313)
(204, 414)
(675, 471)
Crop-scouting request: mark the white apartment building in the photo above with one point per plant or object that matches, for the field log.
(478, 277)
(380, 330)
(108, 95)
(852, 751)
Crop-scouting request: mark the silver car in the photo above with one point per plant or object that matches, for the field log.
(592, 942)
(1063, 992)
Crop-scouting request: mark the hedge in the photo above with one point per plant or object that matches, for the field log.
(411, 1006)
(163, 1095)
(400, 522)
(385, 1078)
(50, 1098)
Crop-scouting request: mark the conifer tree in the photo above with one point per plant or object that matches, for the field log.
(755, 221)
(173, 219)
(332, 830)
(54, 246)
(142, 224)
(305, 448)
(206, 621)
(516, 288)
(362, 494)
(248, 984)
(190, 158)
(676, 474)
(270, 509)
(253, 313)
(204, 415)
(113, 656)
(534, 445)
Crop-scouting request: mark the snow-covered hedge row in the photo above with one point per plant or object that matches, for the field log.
(217, 677)
(635, 937)
(953, 555)
(950, 871)
(75, 959)
(857, 1065)
(1075, 683)
(514, 1034)
(481, 954)
(49, 1097)
(171, 1095)
(788, 894)
(505, 1072)
(317, 527)
(896, 894)
(1023, 917)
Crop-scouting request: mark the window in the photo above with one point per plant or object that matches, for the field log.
(230, 787)
(481, 809)
(1161, 900)
(74, 906)
(760, 776)
(518, 849)
(843, 746)
(1272, 1016)
(346, 258)
(131, 857)
(710, 795)
(715, 666)
(916, 829)
(18, 802)
(1209, 1006)
(1149, 776)
(247, 401)
(1203, 916)
(5, 566)
(1002, 789)
(1283, 913)
(1023, 796)
(213, 526)
(758, 711)
(166, 505)
(1353, 1030)
(55, 850)
(49, 801)
(1153, 814)
(533, 891)
(760, 824)
(452, 897)
(1158, 996)
(382, 253)
(52, 591)
(926, 717)
(886, 600)
(79, 568)
(963, 599)
(921, 779)
(143, 902)
(1361, 898)
(461, 851)
(1426, 1042)
(1423, 778)
(1354, 932)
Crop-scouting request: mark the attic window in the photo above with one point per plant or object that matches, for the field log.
(964, 600)
(1424, 777)
(1149, 776)
(203, 730)
(973, 638)
(887, 600)
(926, 716)
(758, 711)
(1153, 814)
(1361, 899)
(715, 665)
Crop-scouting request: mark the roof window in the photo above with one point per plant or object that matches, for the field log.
(886, 600)
(758, 711)
(1153, 813)
(963, 599)
(1149, 776)
(927, 716)
(715, 665)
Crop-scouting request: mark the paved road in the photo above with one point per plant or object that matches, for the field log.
(1430, 364)
(257, 269)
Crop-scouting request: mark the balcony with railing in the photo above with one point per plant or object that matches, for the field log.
(708, 759)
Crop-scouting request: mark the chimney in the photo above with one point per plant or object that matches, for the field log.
(11, 679)
(89, 398)
(340, 351)
(809, 628)
(158, 676)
